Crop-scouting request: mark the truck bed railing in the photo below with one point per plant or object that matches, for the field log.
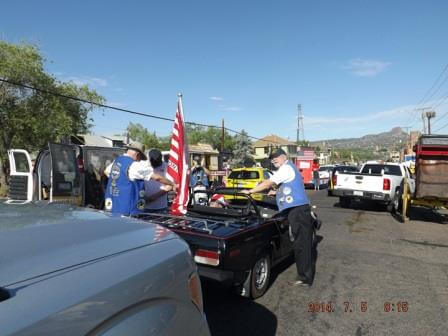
(202, 225)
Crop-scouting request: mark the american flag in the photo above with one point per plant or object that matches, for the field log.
(177, 170)
(305, 154)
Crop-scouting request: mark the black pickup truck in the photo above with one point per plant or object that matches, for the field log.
(237, 245)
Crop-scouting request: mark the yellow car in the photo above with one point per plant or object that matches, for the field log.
(246, 178)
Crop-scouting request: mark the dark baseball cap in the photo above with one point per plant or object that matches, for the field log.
(277, 153)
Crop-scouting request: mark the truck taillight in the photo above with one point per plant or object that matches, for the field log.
(207, 257)
(386, 184)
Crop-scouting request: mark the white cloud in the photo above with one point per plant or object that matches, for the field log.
(92, 81)
(216, 98)
(231, 108)
(365, 68)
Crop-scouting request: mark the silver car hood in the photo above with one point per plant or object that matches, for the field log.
(38, 240)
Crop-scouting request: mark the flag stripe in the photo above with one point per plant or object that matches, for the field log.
(177, 164)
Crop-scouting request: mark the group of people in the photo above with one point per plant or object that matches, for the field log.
(135, 186)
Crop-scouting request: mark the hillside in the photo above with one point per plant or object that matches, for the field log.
(371, 141)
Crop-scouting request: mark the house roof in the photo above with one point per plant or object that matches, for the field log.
(274, 140)
(94, 140)
(202, 148)
(115, 137)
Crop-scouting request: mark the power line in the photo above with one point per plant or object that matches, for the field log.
(441, 127)
(123, 110)
(430, 89)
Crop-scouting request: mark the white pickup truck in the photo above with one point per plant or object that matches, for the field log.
(379, 182)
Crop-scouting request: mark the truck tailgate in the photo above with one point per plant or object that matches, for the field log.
(360, 182)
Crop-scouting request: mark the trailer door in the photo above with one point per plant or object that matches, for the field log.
(21, 176)
(65, 175)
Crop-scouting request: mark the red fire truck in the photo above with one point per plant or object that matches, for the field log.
(305, 163)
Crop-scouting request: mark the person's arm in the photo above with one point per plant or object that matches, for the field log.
(283, 174)
(159, 193)
(266, 184)
(161, 179)
(143, 171)
(206, 171)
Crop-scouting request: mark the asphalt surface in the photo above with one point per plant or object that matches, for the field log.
(367, 261)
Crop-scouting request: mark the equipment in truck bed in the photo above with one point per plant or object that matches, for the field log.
(431, 169)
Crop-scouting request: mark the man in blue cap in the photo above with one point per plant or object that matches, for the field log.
(293, 203)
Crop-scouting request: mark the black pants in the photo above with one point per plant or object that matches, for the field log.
(301, 223)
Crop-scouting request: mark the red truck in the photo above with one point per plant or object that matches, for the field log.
(306, 163)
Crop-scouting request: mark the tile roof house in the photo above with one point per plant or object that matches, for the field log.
(265, 145)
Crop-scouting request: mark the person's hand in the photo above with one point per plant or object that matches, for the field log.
(167, 188)
(245, 191)
(272, 193)
(175, 187)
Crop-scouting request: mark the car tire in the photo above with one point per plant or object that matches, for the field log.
(397, 202)
(258, 279)
(344, 202)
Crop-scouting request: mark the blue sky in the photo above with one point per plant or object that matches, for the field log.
(357, 67)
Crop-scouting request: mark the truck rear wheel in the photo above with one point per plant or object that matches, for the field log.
(397, 202)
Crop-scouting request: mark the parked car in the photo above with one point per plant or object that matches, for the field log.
(66, 270)
(237, 244)
(247, 178)
(324, 175)
(335, 171)
(377, 182)
(62, 172)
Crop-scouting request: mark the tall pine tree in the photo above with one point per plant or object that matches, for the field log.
(242, 152)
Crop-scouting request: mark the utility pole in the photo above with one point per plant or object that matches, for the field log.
(222, 136)
(300, 129)
(424, 115)
(429, 115)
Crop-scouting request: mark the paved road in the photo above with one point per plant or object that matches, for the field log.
(365, 255)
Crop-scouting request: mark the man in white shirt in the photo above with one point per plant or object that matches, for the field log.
(125, 192)
(293, 203)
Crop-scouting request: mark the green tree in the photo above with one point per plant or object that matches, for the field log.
(242, 150)
(139, 133)
(209, 135)
(28, 118)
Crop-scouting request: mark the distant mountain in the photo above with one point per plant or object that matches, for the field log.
(371, 141)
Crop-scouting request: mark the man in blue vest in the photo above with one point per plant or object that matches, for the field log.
(293, 202)
(125, 192)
